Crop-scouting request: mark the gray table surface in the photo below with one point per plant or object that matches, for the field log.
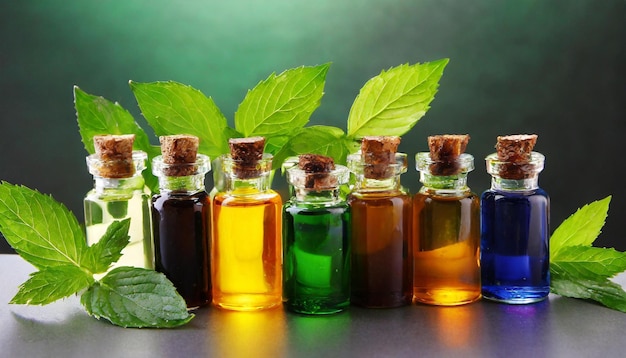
(558, 327)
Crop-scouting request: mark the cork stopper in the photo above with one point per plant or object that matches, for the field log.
(246, 153)
(179, 152)
(445, 151)
(516, 152)
(116, 154)
(317, 168)
(378, 153)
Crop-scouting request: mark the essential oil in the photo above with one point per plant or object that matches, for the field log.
(515, 224)
(246, 252)
(316, 224)
(381, 226)
(181, 217)
(119, 193)
(446, 269)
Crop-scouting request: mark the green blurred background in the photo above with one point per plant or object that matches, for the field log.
(555, 68)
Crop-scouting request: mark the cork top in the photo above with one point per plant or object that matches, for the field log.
(516, 153)
(179, 152)
(378, 153)
(246, 153)
(515, 148)
(317, 168)
(444, 151)
(115, 153)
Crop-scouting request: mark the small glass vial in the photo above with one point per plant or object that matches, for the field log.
(246, 252)
(119, 193)
(316, 240)
(446, 224)
(515, 229)
(381, 226)
(181, 218)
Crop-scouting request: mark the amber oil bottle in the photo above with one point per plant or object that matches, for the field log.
(246, 252)
(381, 226)
(446, 224)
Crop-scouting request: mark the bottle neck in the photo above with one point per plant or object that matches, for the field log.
(321, 197)
(515, 176)
(451, 178)
(307, 187)
(527, 184)
(190, 184)
(253, 178)
(444, 185)
(115, 185)
(121, 184)
(387, 184)
(185, 178)
(389, 181)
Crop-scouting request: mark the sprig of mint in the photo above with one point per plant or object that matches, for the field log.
(579, 270)
(278, 108)
(47, 235)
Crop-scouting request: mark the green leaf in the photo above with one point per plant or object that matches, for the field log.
(581, 228)
(281, 104)
(135, 297)
(98, 116)
(392, 102)
(324, 140)
(51, 284)
(43, 231)
(174, 108)
(109, 248)
(565, 283)
(591, 262)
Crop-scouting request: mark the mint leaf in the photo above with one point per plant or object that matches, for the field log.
(41, 230)
(590, 262)
(281, 104)
(135, 297)
(98, 116)
(324, 140)
(392, 102)
(581, 228)
(174, 108)
(580, 271)
(109, 248)
(51, 284)
(566, 283)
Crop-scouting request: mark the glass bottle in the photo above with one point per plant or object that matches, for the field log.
(381, 231)
(181, 217)
(514, 234)
(446, 224)
(246, 252)
(316, 242)
(118, 197)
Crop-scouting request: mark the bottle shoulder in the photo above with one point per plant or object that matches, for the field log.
(293, 205)
(248, 197)
(496, 194)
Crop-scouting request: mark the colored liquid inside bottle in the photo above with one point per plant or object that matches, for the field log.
(381, 264)
(182, 237)
(316, 259)
(101, 209)
(446, 249)
(246, 252)
(514, 243)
